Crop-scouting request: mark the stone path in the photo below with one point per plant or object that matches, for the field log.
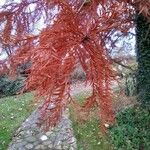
(30, 137)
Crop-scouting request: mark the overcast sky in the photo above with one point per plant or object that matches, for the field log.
(2, 2)
(40, 24)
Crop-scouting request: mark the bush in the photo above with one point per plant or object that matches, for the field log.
(132, 132)
(10, 87)
(130, 84)
(78, 74)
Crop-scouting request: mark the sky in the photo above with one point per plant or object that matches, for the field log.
(2, 2)
(40, 24)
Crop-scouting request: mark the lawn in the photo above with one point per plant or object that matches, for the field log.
(88, 133)
(89, 137)
(132, 131)
(13, 111)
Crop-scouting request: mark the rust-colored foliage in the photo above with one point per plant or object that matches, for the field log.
(76, 31)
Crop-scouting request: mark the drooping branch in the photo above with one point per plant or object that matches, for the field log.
(121, 64)
(75, 33)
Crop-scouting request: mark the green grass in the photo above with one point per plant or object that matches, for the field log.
(13, 111)
(88, 134)
(81, 97)
(89, 137)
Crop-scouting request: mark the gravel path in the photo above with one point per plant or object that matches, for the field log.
(30, 137)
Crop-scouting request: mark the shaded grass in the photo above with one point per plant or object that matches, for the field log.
(89, 137)
(13, 111)
(81, 97)
(88, 133)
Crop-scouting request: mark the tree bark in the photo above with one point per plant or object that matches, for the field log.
(143, 58)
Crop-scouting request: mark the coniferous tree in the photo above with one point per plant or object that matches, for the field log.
(76, 31)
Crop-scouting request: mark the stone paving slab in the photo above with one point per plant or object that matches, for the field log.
(30, 137)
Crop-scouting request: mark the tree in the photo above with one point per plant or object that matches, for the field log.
(143, 58)
(76, 31)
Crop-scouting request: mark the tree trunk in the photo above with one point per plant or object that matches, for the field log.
(143, 58)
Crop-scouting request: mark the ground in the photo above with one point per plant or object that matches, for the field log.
(87, 133)
(13, 111)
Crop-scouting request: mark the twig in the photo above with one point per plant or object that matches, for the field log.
(85, 1)
(125, 66)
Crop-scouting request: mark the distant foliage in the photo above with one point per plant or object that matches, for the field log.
(131, 84)
(10, 87)
(78, 75)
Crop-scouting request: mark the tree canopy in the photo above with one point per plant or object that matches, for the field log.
(74, 31)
